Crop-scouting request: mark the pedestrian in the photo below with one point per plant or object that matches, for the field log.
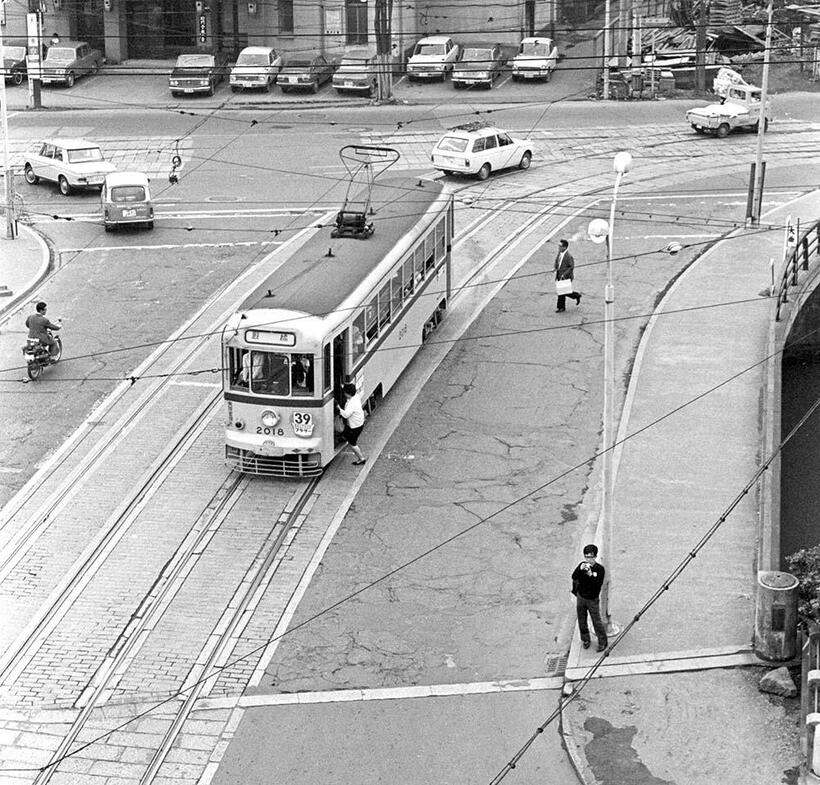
(565, 271)
(353, 415)
(587, 579)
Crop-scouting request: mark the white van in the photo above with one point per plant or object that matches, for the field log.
(125, 199)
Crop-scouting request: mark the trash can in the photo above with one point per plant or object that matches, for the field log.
(776, 616)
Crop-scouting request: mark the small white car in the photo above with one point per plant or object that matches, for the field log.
(480, 149)
(126, 199)
(432, 58)
(71, 163)
(536, 59)
(256, 67)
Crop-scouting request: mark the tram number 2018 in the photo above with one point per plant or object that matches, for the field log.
(263, 430)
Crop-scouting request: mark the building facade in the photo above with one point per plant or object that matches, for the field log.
(161, 29)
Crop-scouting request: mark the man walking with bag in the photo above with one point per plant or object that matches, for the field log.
(564, 273)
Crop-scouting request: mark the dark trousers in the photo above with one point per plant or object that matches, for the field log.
(562, 300)
(584, 606)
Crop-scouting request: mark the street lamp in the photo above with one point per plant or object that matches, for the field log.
(600, 231)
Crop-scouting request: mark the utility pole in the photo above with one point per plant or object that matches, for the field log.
(700, 50)
(34, 49)
(384, 41)
(757, 191)
(8, 174)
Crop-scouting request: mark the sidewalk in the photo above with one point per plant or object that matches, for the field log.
(23, 262)
(659, 699)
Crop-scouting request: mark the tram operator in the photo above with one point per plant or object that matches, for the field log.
(38, 326)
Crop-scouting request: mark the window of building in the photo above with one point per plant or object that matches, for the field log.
(356, 22)
(285, 16)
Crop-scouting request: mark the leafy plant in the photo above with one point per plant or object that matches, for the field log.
(805, 566)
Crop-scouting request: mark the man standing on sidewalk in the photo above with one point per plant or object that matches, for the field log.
(587, 579)
(565, 271)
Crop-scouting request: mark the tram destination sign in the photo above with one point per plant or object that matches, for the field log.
(270, 338)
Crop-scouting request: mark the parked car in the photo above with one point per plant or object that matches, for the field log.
(14, 63)
(741, 109)
(536, 59)
(68, 61)
(356, 72)
(197, 73)
(479, 149)
(71, 163)
(305, 74)
(256, 67)
(126, 199)
(478, 64)
(432, 58)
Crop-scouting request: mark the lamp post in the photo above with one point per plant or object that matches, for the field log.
(600, 231)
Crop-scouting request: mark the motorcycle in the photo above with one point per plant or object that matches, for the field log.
(38, 356)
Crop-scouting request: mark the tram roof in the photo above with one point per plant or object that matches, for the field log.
(311, 282)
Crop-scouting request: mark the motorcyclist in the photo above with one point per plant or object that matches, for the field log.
(39, 325)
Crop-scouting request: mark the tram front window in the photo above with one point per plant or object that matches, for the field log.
(271, 373)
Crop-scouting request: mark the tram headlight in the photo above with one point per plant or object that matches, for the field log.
(269, 418)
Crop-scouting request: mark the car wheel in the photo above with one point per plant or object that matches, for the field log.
(548, 77)
(174, 93)
(314, 87)
(31, 178)
(697, 129)
(448, 172)
(235, 88)
(69, 80)
(524, 163)
(484, 172)
(109, 227)
(17, 78)
(266, 86)
(722, 131)
(64, 185)
(286, 89)
(211, 88)
(95, 67)
(149, 224)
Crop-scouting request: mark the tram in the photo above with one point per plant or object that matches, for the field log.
(336, 310)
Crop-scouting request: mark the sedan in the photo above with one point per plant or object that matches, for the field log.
(14, 63)
(308, 74)
(357, 72)
(197, 73)
(256, 66)
(68, 61)
(478, 64)
(71, 163)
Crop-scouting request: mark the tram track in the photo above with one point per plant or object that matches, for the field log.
(219, 644)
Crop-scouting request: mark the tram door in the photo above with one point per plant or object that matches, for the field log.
(340, 364)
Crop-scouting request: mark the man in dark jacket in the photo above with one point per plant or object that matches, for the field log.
(587, 579)
(565, 271)
(39, 326)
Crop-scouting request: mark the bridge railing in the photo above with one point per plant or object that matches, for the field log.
(808, 245)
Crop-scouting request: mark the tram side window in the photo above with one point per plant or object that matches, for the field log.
(238, 368)
(441, 244)
(370, 320)
(301, 373)
(418, 257)
(408, 277)
(327, 368)
(396, 291)
(384, 305)
(429, 252)
(358, 336)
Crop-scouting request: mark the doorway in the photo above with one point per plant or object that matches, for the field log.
(159, 30)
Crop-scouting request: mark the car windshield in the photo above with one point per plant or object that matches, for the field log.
(187, 61)
(478, 55)
(60, 53)
(253, 59)
(85, 154)
(128, 193)
(430, 49)
(354, 64)
(541, 50)
(14, 52)
(454, 144)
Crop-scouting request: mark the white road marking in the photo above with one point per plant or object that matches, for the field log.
(182, 383)
(166, 246)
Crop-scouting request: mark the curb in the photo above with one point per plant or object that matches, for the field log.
(45, 264)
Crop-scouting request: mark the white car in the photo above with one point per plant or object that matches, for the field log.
(480, 149)
(536, 59)
(256, 67)
(71, 163)
(432, 58)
